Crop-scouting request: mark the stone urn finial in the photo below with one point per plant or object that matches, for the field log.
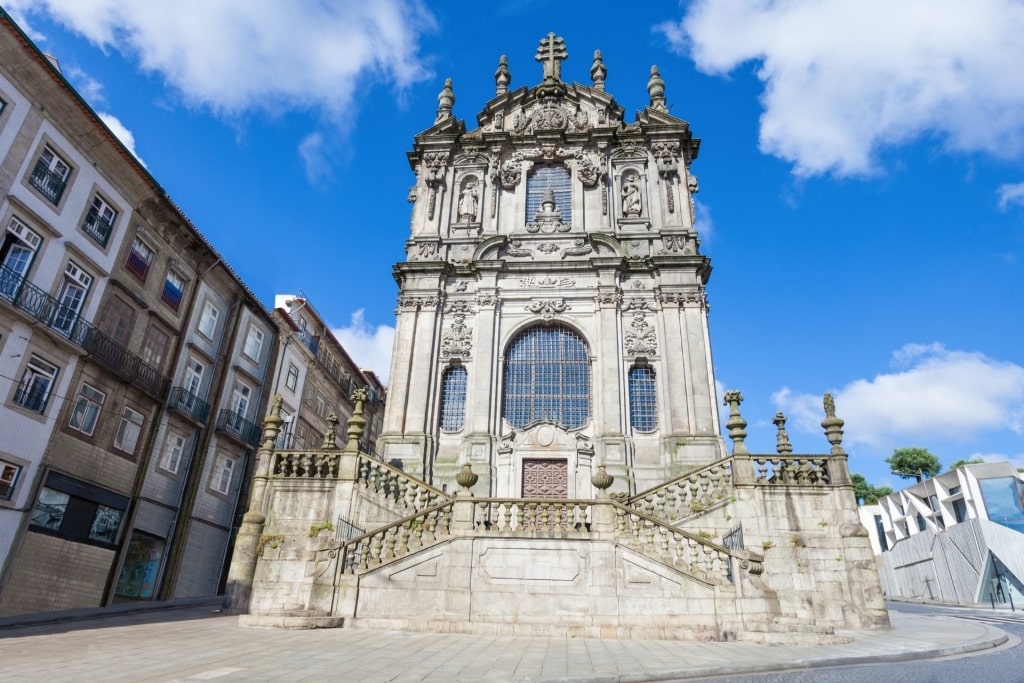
(272, 423)
(656, 89)
(598, 71)
(736, 424)
(833, 426)
(601, 480)
(445, 101)
(357, 423)
(502, 77)
(782, 445)
(328, 443)
(467, 478)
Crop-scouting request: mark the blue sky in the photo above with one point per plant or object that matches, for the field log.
(861, 174)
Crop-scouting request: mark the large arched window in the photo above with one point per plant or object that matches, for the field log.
(643, 400)
(556, 179)
(547, 377)
(453, 399)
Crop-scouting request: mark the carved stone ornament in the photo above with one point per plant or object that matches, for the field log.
(551, 114)
(674, 244)
(547, 308)
(587, 169)
(640, 340)
(515, 250)
(637, 303)
(457, 341)
(458, 307)
(547, 247)
(667, 156)
(546, 282)
(579, 248)
(606, 299)
(512, 172)
(488, 300)
(423, 251)
(412, 302)
(680, 298)
(548, 218)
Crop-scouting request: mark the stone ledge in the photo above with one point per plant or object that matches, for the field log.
(298, 622)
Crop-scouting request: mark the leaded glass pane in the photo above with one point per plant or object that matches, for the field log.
(547, 377)
(453, 399)
(643, 404)
(556, 179)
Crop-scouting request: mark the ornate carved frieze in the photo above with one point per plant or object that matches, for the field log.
(457, 340)
(638, 303)
(487, 300)
(675, 244)
(460, 306)
(680, 298)
(609, 298)
(579, 248)
(413, 302)
(641, 339)
(547, 308)
(515, 249)
(423, 251)
(547, 247)
(546, 282)
(434, 164)
(550, 113)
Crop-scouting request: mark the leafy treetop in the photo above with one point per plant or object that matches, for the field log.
(866, 493)
(914, 462)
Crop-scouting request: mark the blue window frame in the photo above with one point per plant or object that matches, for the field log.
(547, 377)
(643, 399)
(556, 179)
(453, 399)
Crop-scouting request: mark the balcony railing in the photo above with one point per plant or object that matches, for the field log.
(66, 322)
(187, 403)
(233, 424)
(50, 183)
(97, 227)
(33, 396)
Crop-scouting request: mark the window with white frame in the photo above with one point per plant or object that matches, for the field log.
(70, 297)
(9, 475)
(99, 221)
(453, 399)
(254, 343)
(50, 175)
(223, 471)
(17, 251)
(128, 430)
(174, 288)
(86, 411)
(208, 320)
(292, 380)
(174, 451)
(194, 377)
(139, 258)
(321, 405)
(643, 402)
(36, 384)
(240, 397)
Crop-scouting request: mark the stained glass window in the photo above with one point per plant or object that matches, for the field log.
(547, 377)
(453, 399)
(643, 402)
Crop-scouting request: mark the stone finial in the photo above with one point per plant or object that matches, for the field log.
(598, 71)
(833, 426)
(445, 101)
(601, 479)
(736, 424)
(782, 445)
(551, 53)
(656, 89)
(356, 423)
(502, 77)
(328, 443)
(272, 423)
(467, 478)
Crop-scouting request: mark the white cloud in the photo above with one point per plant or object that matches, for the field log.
(1010, 194)
(122, 133)
(933, 393)
(314, 157)
(369, 347)
(704, 225)
(843, 80)
(238, 55)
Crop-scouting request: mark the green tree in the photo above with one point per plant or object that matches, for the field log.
(866, 493)
(914, 462)
(961, 462)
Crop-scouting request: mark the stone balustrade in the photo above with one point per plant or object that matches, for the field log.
(306, 464)
(393, 541)
(532, 517)
(396, 485)
(690, 494)
(699, 557)
(792, 470)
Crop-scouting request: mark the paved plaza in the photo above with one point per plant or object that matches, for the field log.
(198, 643)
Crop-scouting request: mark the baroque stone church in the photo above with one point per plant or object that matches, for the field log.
(551, 460)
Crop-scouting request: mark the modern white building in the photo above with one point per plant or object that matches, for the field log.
(957, 537)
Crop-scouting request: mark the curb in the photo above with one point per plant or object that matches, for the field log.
(85, 613)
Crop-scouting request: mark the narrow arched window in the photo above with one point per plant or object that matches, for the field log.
(547, 377)
(453, 399)
(643, 399)
(556, 179)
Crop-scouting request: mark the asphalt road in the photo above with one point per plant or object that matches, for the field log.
(1001, 665)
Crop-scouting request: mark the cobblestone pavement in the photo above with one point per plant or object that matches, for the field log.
(199, 644)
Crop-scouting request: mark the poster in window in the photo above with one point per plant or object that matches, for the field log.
(141, 566)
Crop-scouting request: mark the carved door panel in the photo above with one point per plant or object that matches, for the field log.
(545, 479)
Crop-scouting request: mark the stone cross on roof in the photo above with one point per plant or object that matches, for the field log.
(551, 52)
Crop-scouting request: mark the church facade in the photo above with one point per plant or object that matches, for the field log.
(551, 461)
(552, 312)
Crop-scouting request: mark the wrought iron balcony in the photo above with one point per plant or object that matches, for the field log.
(97, 227)
(188, 404)
(50, 183)
(69, 324)
(234, 425)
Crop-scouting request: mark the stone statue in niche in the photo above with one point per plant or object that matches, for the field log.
(469, 202)
(631, 205)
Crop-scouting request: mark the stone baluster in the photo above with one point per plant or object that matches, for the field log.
(839, 473)
(742, 468)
